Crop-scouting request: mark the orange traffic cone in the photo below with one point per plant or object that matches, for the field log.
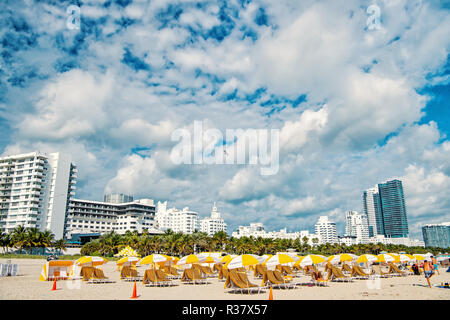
(270, 294)
(54, 285)
(134, 296)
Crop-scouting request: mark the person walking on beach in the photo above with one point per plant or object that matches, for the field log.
(435, 264)
(428, 270)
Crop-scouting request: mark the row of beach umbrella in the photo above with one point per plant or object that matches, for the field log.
(239, 261)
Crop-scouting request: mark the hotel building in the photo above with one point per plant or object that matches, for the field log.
(34, 191)
(214, 223)
(87, 216)
(185, 221)
(326, 230)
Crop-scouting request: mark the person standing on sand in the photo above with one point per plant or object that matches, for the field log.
(434, 262)
(428, 270)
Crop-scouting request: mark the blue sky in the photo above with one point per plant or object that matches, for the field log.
(354, 106)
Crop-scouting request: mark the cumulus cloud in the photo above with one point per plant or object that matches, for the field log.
(348, 101)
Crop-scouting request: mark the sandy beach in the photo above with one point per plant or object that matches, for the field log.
(27, 286)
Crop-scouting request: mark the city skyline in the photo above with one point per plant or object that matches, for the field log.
(355, 103)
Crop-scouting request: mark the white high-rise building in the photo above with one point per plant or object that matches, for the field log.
(214, 223)
(356, 226)
(372, 209)
(326, 230)
(185, 221)
(34, 191)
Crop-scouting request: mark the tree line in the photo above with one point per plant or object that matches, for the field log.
(30, 240)
(180, 244)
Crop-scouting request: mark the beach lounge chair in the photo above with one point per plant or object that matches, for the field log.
(171, 272)
(199, 269)
(207, 271)
(129, 274)
(259, 271)
(1, 270)
(217, 267)
(9, 269)
(162, 278)
(87, 273)
(335, 274)
(358, 273)
(193, 276)
(395, 271)
(99, 277)
(150, 278)
(286, 270)
(223, 273)
(346, 268)
(236, 284)
(376, 270)
(15, 270)
(318, 280)
(274, 278)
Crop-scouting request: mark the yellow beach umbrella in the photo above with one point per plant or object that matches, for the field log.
(385, 257)
(281, 258)
(312, 259)
(227, 258)
(244, 261)
(366, 258)
(94, 261)
(342, 258)
(131, 260)
(419, 257)
(192, 258)
(154, 258)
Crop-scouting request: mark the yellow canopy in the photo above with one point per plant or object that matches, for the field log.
(94, 261)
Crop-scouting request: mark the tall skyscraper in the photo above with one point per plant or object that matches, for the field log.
(34, 191)
(437, 235)
(393, 209)
(356, 226)
(372, 209)
(326, 230)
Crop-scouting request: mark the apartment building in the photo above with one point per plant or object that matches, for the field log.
(214, 223)
(34, 191)
(87, 216)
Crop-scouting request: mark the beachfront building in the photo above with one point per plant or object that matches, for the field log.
(393, 209)
(372, 210)
(87, 216)
(117, 198)
(257, 229)
(185, 221)
(34, 191)
(326, 230)
(384, 206)
(214, 223)
(437, 235)
(347, 240)
(356, 226)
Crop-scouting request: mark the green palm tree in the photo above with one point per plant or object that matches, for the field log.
(19, 238)
(60, 245)
(46, 240)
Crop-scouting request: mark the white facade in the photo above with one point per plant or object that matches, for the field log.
(87, 216)
(257, 230)
(34, 191)
(326, 229)
(356, 226)
(397, 241)
(347, 240)
(185, 221)
(213, 224)
(370, 208)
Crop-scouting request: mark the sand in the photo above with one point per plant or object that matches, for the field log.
(27, 286)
